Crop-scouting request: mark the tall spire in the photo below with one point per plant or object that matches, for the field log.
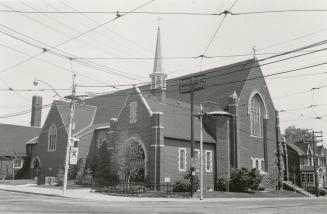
(158, 77)
(157, 68)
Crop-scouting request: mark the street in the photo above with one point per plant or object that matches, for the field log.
(11, 202)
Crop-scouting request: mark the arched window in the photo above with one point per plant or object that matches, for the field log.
(256, 117)
(52, 138)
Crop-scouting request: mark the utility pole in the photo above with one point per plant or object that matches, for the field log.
(314, 140)
(69, 140)
(201, 153)
(189, 85)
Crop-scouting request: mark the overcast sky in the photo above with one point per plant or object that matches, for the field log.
(134, 36)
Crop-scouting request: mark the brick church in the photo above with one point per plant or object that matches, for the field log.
(156, 118)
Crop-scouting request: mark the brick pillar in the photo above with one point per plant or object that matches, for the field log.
(233, 108)
(265, 143)
(111, 135)
(157, 144)
(223, 146)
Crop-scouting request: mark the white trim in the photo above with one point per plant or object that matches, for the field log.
(19, 165)
(157, 145)
(262, 99)
(143, 100)
(91, 122)
(254, 165)
(206, 160)
(157, 127)
(102, 127)
(179, 158)
(49, 139)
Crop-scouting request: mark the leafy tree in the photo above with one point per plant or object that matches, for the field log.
(129, 158)
(293, 134)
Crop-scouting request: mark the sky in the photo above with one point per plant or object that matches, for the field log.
(119, 51)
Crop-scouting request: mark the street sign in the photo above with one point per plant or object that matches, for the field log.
(73, 155)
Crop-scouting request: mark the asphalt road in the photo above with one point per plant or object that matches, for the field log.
(11, 202)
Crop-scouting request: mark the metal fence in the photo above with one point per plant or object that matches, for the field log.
(140, 189)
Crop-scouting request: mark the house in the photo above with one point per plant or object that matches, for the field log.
(14, 153)
(16, 143)
(155, 119)
(301, 166)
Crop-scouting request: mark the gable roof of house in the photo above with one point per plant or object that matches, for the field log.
(296, 148)
(14, 137)
(177, 118)
(304, 146)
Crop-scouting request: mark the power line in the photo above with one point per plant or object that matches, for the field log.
(85, 63)
(121, 13)
(279, 11)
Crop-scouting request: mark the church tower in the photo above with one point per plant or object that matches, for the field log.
(158, 77)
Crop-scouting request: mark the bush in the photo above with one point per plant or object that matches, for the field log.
(241, 180)
(185, 184)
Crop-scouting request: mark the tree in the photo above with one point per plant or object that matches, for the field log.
(129, 158)
(293, 134)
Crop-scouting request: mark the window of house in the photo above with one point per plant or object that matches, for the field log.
(208, 161)
(311, 178)
(255, 117)
(258, 163)
(52, 138)
(101, 138)
(18, 164)
(182, 159)
(197, 154)
(133, 112)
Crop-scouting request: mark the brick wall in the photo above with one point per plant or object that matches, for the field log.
(51, 161)
(170, 162)
(250, 146)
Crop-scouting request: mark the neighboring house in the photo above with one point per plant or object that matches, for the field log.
(300, 164)
(156, 117)
(14, 156)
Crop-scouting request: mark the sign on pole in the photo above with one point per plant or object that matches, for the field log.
(73, 155)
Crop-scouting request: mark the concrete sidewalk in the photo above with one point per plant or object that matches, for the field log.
(86, 194)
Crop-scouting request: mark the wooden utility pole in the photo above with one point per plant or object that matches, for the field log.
(314, 140)
(188, 85)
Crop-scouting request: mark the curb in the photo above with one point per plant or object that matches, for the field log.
(33, 193)
(132, 199)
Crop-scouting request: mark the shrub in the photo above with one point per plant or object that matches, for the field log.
(240, 181)
(185, 184)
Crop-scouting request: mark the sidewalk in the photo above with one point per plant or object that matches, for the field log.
(87, 195)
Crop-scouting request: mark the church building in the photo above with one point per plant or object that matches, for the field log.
(156, 119)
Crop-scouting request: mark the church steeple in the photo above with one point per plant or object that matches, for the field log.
(158, 77)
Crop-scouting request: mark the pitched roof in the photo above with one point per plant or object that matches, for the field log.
(297, 149)
(14, 137)
(108, 105)
(221, 82)
(177, 118)
(83, 115)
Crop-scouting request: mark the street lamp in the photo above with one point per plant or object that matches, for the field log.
(70, 142)
(202, 114)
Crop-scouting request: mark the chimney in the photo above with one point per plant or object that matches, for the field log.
(36, 111)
